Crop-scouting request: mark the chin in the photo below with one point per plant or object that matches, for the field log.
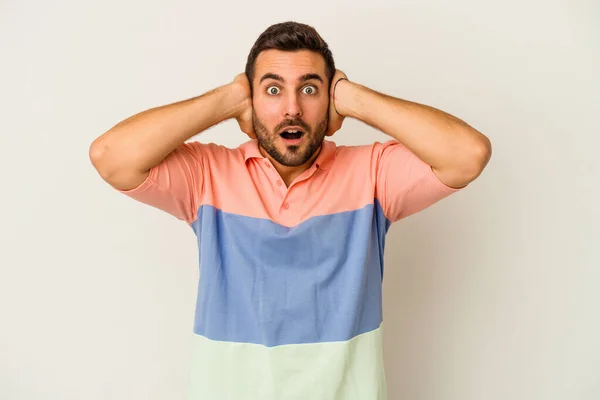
(292, 156)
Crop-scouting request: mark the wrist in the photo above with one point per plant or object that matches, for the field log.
(236, 99)
(345, 98)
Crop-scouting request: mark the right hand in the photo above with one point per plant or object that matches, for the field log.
(244, 117)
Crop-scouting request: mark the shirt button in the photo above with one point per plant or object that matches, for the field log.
(279, 183)
(285, 206)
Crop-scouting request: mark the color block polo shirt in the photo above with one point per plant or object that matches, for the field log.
(289, 302)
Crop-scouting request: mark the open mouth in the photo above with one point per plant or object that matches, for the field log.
(291, 134)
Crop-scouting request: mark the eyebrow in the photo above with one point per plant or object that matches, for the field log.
(303, 78)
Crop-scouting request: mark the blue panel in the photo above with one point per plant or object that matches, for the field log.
(264, 283)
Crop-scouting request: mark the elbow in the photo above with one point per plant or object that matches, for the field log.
(478, 158)
(97, 154)
(469, 162)
(484, 153)
(112, 169)
(105, 162)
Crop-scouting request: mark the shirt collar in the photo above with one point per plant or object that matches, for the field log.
(324, 159)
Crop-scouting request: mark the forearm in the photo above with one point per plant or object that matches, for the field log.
(140, 142)
(438, 138)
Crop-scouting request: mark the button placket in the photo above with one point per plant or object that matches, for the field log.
(280, 188)
(273, 175)
(285, 205)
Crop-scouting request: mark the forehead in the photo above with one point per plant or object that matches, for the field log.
(290, 65)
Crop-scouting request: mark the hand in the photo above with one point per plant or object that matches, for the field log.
(241, 86)
(335, 120)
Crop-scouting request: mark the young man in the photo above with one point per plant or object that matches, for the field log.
(291, 228)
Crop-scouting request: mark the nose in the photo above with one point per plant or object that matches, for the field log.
(292, 108)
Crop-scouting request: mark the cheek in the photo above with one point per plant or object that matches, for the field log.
(268, 112)
(315, 111)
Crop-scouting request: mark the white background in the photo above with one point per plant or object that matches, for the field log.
(490, 294)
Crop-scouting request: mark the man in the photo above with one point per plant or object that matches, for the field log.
(291, 228)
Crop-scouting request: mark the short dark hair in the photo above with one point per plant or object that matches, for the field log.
(290, 36)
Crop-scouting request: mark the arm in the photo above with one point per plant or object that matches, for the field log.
(124, 155)
(456, 152)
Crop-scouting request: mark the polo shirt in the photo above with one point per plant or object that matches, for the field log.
(289, 301)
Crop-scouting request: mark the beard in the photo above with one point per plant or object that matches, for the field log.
(294, 156)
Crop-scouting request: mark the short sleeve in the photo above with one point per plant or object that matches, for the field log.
(174, 185)
(404, 183)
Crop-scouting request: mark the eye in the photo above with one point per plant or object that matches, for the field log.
(273, 90)
(309, 90)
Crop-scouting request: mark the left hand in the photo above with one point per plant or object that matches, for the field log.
(335, 120)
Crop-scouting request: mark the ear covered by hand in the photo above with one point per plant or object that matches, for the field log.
(241, 86)
(336, 118)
